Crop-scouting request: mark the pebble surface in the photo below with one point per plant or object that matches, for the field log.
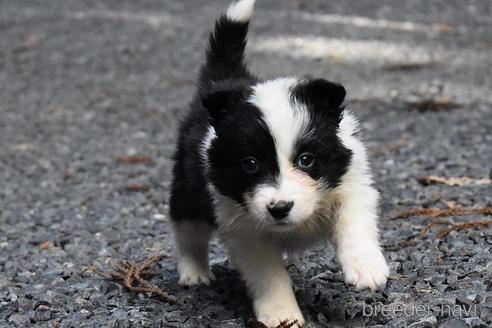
(84, 83)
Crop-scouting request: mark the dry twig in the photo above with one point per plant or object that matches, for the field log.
(454, 209)
(454, 226)
(432, 179)
(441, 234)
(437, 212)
(409, 66)
(131, 275)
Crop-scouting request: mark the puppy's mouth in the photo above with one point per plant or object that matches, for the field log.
(282, 226)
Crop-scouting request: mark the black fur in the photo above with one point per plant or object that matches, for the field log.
(324, 101)
(321, 95)
(241, 133)
(225, 54)
(224, 69)
(224, 86)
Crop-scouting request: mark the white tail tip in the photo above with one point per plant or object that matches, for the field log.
(241, 11)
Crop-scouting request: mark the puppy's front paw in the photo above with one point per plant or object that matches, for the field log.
(273, 315)
(364, 267)
(191, 273)
(273, 320)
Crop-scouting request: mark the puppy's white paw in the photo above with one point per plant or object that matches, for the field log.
(273, 314)
(191, 273)
(364, 267)
(273, 320)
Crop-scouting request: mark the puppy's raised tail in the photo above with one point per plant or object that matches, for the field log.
(225, 52)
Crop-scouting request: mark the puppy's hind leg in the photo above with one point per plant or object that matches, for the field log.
(192, 238)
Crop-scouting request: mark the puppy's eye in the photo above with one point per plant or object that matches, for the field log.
(305, 161)
(250, 165)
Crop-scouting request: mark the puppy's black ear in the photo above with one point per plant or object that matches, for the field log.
(219, 103)
(321, 95)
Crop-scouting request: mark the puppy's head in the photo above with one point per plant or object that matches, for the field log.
(275, 149)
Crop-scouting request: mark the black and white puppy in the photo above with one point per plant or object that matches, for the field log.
(274, 166)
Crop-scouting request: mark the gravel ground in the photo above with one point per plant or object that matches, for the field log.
(83, 83)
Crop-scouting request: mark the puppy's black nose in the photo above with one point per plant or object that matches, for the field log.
(280, 209)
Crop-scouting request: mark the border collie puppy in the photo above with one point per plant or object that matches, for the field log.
(274, 166)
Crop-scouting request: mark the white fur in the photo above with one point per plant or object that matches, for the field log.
(347, 214)
(262, 266)
(207, 142)
(241, 11)
(192, 239)
(287, 121)
(210, 135)
(356, 233)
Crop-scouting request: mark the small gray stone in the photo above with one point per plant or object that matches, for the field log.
(76, 95)
(119, 314)
(475, 322)
(311, 324)
(42, 313)
(424, 323)
(231, 323)
(453, 323)
(19, 319)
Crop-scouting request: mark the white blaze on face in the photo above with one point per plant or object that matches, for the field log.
(286, 121)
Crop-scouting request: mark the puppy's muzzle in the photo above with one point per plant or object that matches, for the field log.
(279, 210)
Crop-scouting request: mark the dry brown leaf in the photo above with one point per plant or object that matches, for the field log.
(444, 28)
(137, 187)
(68, 173)
(45, 245)
(29, 42)
(462, 181)
(134, 159)
(433, 104)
